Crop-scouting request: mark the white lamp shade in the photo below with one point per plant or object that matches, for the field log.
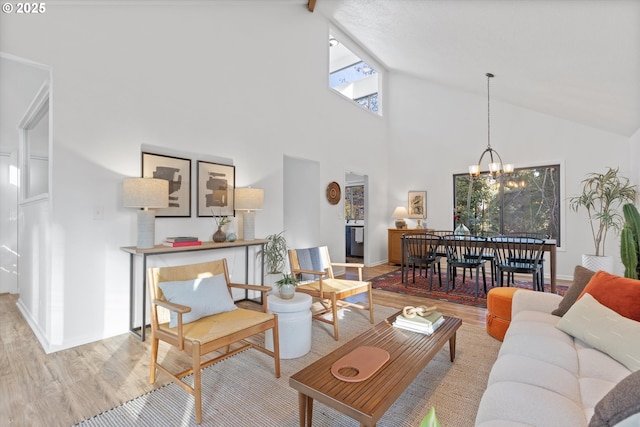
(145, 193)
(249, 199)
(400, 213)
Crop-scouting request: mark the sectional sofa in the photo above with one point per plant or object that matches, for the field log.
(569, 362)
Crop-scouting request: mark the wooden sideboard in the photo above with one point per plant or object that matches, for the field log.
(395, 242)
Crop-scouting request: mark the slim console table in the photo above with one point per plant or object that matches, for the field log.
(162, 250)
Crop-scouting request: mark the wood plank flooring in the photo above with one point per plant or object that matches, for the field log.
(63, 388)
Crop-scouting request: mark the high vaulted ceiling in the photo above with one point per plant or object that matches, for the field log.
(574, 59)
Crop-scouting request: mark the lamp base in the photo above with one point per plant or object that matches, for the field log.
(249, 225)
(146, 229)
(401, 223)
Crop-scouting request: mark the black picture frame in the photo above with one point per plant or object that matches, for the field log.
(177, 171)
(216, 184)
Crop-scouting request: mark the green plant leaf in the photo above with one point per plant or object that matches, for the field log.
(430, 420)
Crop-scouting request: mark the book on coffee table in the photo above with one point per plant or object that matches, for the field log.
(423, 324)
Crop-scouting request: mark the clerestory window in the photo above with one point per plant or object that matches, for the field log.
(353, 77)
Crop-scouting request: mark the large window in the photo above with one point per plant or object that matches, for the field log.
(527, 200)
(353, 77)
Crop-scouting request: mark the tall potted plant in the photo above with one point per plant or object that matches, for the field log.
(601, 196)
(630, 241)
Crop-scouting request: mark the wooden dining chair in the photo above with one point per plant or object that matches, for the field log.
(192, 310)
(466, 252)
(421, 250)
(315, 270)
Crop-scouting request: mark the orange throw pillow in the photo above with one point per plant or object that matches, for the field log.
(620, 294)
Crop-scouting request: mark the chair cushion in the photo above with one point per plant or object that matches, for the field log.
(620, 403)
(205, 296)
(604, 329)
(581, 277)
(618, 293)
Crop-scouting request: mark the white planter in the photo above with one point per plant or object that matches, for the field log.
(597, 263)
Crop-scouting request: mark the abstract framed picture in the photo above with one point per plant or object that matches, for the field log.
(216, 183)
(417, 204)
(177, 171)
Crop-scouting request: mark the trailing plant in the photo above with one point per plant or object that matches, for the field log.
(275, 253)
(601, 195)
(630, 241)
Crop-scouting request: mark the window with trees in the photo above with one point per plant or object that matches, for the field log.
(527, 200)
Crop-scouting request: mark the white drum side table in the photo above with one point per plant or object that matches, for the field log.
(294, 325)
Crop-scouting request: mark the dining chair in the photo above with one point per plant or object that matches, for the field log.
(315, 270)
(519, 255)
(465, 252)
(193, 311)
(533, 235)
(421, 251)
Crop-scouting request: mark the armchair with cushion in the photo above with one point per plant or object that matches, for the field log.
(314, 267)
(202, 318)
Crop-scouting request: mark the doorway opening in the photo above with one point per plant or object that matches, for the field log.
(355, 214)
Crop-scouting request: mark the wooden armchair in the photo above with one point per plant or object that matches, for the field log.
(208, 288)
(314, 268)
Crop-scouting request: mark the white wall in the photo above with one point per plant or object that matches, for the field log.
(437, 131)
(245, 81)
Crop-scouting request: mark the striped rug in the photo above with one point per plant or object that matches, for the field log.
(242, 390)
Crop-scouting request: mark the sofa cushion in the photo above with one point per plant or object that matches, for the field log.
(620, 294)
(620, 403)
(604, 329)
(205, 297)
(581, 276)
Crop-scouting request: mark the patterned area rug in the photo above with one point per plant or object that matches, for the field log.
(242, 390)
(462, 293)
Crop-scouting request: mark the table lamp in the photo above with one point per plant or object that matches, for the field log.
(400, 213)
(249, 200)
(145, 193)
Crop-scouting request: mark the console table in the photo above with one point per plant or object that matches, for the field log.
(161, 250)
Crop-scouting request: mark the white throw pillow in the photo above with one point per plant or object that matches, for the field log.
(604, 329)
(205, 296)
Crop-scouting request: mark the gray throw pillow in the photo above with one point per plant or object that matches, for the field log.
(619, 404)
(581, 277)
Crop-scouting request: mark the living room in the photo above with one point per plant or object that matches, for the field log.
(183, 79)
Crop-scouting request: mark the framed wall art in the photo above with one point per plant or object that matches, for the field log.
(417, 204)
(177, 171)
(216, 183)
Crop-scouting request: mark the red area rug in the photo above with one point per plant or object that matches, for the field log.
(463, 293)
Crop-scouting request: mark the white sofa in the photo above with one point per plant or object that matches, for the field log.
(543, 376)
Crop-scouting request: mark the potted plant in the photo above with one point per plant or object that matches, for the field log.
(274, 253)
(287, 286)
(602, 194)
(630, 241)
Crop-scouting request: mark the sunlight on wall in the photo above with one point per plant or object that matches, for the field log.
(13, 176)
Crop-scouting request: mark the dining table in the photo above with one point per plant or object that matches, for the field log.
(549, 245)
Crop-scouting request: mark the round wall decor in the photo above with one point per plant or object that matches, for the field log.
(333, 193)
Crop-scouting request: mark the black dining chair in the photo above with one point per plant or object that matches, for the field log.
(519, 255)
(465, 252)
(532, 235)
(421, 251)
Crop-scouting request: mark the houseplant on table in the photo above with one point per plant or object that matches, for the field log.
(274, 253)
(602, 194)
(287, 286)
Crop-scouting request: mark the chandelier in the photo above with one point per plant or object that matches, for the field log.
(496, 167)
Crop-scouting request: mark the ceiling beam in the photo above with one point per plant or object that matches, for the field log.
(311, 5)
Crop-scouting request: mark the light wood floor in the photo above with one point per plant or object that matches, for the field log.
(64, 388)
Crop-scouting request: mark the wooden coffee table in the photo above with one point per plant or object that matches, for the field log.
(368, 400)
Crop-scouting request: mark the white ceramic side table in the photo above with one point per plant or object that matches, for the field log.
(294, 325)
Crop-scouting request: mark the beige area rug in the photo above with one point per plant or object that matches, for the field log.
(242, 390)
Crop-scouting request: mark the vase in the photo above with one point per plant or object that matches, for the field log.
(597, 263)
(287, 290)
(219, 235)
(461, 230)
